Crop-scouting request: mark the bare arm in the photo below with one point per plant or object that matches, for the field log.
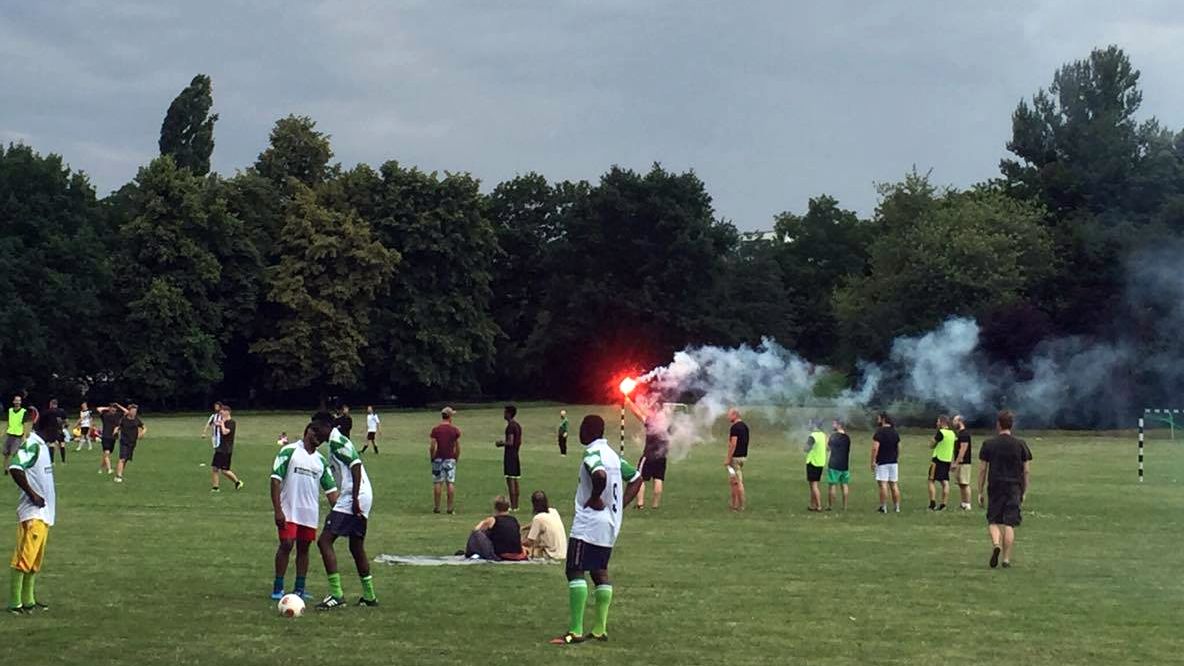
(961, 453)
(731, 450)
(356, 473)
(432, 449)
(875, 452)
(982, 480)
(1024, 489)
(631, 492)
(484, 525)
(275, 503)
(599, 481)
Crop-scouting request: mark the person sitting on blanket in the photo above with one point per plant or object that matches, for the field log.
(498, 537)
(544, 537)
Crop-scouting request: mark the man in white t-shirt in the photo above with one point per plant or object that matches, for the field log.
(348, 518)
(32, 471)
(373, 429)
(544, 537)
(607, 486)
(85, 421)
(298, 476)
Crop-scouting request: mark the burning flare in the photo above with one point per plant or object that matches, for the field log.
(627, 385)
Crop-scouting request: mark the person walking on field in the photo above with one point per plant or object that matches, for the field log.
(1006, 462)
(961, 469)
(838, 464)
(110, 417)
(373, 429)
(562, 433)
(220, 465)
(815, 462)
(444, 451)
(885, 462)
(57, 422)
(130, 430)
(939, 467)
(737, 456)
(511, 460)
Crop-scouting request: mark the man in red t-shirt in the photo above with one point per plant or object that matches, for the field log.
(444, 451)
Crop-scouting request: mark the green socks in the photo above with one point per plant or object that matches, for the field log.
(368, 580)
(335, 590)
(577, 598)
(604, 598)
(27, 596)
(16, 585)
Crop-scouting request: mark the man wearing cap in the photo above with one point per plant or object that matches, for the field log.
(444, 451)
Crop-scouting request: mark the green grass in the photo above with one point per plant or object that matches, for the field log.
(158, 571)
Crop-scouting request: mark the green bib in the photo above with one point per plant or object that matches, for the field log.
(817, 454)
(944, 451)
(16, 421)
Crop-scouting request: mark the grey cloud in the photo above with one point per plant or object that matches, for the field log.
(770, 102)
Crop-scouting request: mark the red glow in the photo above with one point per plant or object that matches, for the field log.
(627, 385)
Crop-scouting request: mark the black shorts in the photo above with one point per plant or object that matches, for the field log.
(126, 451)
(85, 431)
(653, 469)
(370, 436)
(512, 466)
(1003, 506)
(583, 556)
(939, 471)
(345, 525)
(221, 459)
(108, 444)
(813, 473)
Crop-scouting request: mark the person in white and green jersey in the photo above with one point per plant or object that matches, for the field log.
(298, 475)
(607, 486)
(939, 467)
(32, 471)
(348, 518)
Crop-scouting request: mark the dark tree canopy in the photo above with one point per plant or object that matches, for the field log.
(187, 133)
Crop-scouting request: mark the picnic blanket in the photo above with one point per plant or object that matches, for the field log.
(447, 560)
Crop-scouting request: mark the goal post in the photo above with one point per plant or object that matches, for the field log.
(1164, 416)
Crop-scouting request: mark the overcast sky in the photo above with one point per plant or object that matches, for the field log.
(769, 102)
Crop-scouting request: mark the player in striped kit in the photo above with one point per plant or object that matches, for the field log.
(607, 485)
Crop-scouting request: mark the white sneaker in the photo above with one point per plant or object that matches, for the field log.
(110, 471)
(119, 479)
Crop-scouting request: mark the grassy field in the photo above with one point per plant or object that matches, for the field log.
(159, 571)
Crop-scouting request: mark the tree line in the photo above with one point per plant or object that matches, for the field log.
(297, 278)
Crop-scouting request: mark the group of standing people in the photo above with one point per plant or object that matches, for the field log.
(119, 424)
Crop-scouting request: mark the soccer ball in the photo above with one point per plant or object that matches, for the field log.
(291, 605)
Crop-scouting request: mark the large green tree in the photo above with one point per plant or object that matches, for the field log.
(952, 253)
(432, 333)
(187, 133)
(631, 279)
(319, 297)
(817, 252)
(296, 150)
(170, 225)
(54, 241)
(1108, 182)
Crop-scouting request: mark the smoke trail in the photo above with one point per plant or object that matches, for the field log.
(1066, 382)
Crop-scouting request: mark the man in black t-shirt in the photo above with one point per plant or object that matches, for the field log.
(56, 425)
(885, 461)
(963, 457)
(109, 416)
(838, 464)
(131, 429)
(511, 462)
(1004, 473)
(344, 422)
(220, 465)
(737, 456)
